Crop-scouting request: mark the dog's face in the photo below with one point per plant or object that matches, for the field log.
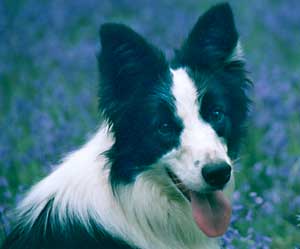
(186, 117)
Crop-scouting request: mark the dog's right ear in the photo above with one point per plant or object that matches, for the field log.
(129, 67)
(212, 40)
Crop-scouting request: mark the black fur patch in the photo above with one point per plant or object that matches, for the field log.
(226, 91)
(48, 233)
(136, 99)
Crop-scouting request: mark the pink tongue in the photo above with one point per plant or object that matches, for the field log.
(211, 212)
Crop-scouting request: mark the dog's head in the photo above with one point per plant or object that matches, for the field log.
(184, 118)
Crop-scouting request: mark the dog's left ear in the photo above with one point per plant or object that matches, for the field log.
(211, 41)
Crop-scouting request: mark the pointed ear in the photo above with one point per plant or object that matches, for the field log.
(128, 65)
(127, 60)
(212, 40)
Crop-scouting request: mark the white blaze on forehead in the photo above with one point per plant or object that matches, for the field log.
(187, 104)
(186, 96)
(199, 143)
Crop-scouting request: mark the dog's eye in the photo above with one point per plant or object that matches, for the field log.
(165, 128)
(216, 116)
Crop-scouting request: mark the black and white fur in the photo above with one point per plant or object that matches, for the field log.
(159, 117)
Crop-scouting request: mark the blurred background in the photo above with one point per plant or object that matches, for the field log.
(48, 101)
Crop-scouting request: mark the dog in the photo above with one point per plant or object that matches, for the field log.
(158, 173)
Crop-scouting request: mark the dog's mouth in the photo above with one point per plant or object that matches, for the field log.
(211, 210)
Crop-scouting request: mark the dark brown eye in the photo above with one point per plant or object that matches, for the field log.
(216, 116)
(165, 129)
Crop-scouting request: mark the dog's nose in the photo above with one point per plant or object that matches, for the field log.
(216, 174)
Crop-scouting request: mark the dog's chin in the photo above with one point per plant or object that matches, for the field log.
(210, 208)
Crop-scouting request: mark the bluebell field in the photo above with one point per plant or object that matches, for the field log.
(48, 101)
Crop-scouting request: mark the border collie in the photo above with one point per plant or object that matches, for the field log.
(158, 173)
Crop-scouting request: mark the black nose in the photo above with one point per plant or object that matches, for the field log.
(217, 174)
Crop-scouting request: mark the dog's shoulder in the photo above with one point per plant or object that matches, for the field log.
(48, 232)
